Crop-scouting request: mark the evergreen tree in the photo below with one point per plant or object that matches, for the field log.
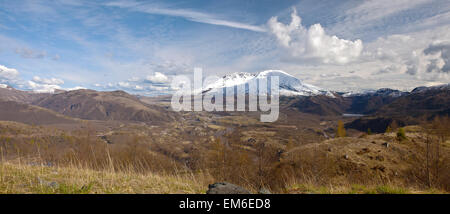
(340, 129)
(388, 129)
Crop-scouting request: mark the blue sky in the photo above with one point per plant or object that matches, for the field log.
(138, 46)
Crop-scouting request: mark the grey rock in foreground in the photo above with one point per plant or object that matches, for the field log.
(264, 191)
(52, 184)
(226, 188)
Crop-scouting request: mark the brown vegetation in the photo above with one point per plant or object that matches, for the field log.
(300, 153)
(420, 162)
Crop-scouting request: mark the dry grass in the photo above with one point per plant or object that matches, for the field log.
(175, 162)
(20, 178)
(307, 188)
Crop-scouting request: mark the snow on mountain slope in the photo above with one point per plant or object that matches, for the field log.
(437, 87)
(394, 93)
(231, 80)
(380, 92)
(289, 85)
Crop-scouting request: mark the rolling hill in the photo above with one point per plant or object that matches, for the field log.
(12, 94)
(29, 114)
(114, 105)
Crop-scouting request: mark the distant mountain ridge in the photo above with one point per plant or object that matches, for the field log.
(62, 107)
(379, 92)
(295, 95)
(113, 105)
(420, 101)
(8, 93)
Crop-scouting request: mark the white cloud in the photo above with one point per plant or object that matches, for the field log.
(48, 88)
(74, 88)
(44, 85)
(51, 81)
(159, 88)
(314, 43)
(124, 84)
(155, 84)
(42, 88)
(391, 69)
(157, 77)
(133, 79)
(441, 52)
(431, 63)
(401, 61)
(423, 55)
(37, 84)
(283, 32)
(8, 74)
(138, 88)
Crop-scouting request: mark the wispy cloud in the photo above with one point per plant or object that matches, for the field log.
(377, 9)
(31, 54)
(184, 13)
(93, 43)
(373, 18)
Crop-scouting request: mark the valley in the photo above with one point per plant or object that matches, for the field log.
(303, 151)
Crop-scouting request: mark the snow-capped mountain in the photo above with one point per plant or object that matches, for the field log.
(231, 80)
(380, 92)
(385, 92)
(289, 85)
(437, 87)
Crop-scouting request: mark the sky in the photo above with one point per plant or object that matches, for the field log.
(139, 46)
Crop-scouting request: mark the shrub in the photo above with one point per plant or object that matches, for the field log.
(388, 129)
(401, 134)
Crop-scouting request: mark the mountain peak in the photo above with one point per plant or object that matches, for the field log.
(289, 85)
(238, 75)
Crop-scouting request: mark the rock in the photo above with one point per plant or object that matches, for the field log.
(47, 164)
(346, 157)
(251, 140)
(105, 139)
(51, 184)
(226, 188)
(264, 191)
(385, 144)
